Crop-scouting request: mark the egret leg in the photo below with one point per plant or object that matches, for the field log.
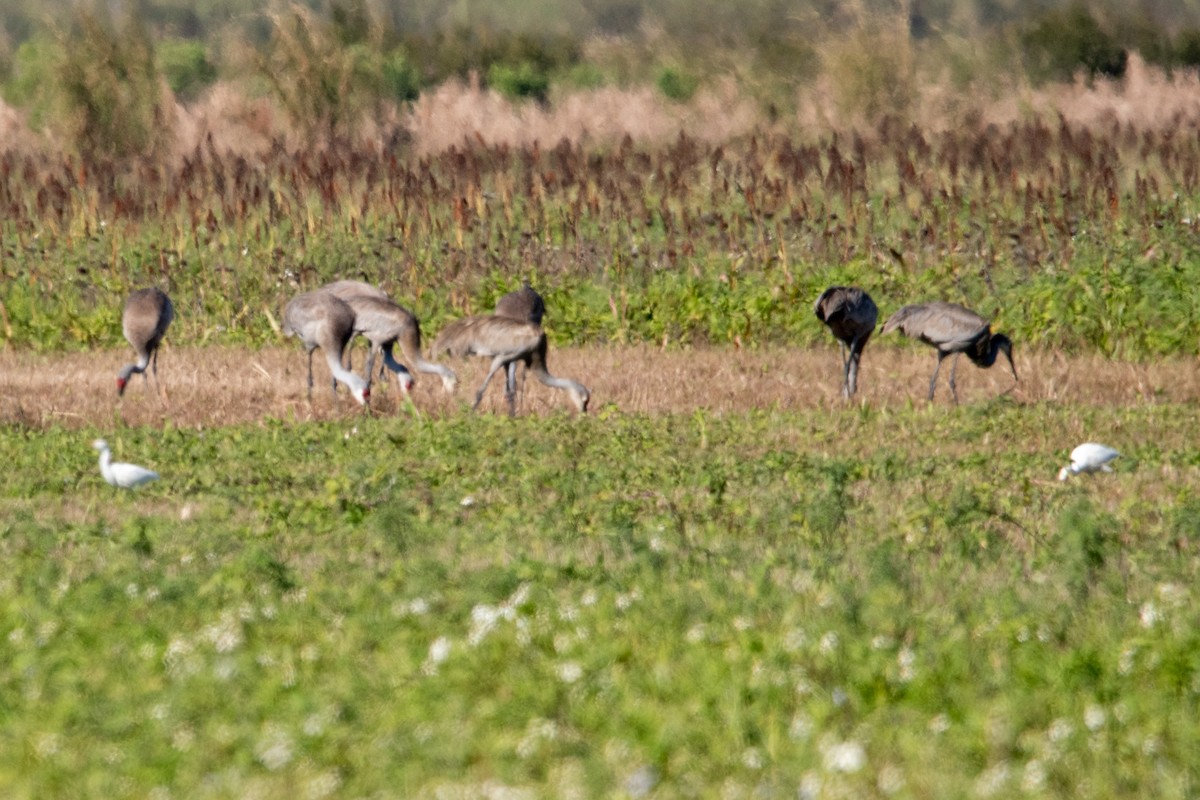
(954, 369)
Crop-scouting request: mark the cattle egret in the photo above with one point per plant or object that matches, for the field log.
(1089, 457)
(127, 476)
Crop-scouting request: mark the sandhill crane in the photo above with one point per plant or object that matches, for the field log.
(147, 315)
(850, 314)
(506, 341)
(524, 305)
(384, 323)
(126, 476)
(321, 320)
(1088, 457)
(952, 328)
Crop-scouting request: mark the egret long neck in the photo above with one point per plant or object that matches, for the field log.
(106, 465)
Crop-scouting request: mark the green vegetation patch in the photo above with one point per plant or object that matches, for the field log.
(860, 602)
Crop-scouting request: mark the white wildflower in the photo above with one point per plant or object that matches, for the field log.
(695, 634)
(846, 756)
(829, 642)
(890, 779)
(323, 784)
(1149, 614)
(801, 727)
(274, 749)
(1093, 718)
(992, 780)
(589, 597)
(939, 724)
(439, 651)
(906, 661)
(569, 672)
(752, 758)
(1034, 778)
(1059, 730)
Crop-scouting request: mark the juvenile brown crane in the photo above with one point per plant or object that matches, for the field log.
(506, 341)
(385, 323)
(524, 305)
(952, 329)
(147, 315)
(850, 314)
(321, 320)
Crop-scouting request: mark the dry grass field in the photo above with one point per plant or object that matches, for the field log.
(217, 386)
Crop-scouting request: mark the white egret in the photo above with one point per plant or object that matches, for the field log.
(127, 476)
(1089, 457)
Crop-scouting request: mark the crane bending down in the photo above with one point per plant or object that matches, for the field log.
(952, 329)
(506, 341)
(850, 314)
(1089, 457)
(523, 305)
(126, 476)
(385, 323)
(321, 320)
(147, 315)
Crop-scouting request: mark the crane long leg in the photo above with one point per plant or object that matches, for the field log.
(933, 380)
(510, 386)
(369, 371)
(953, 370)
(851, 384)
(310, 377)
(497, 363)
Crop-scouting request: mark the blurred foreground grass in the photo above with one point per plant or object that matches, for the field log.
(862, 603)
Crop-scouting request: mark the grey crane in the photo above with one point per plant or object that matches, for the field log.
(385, 323)
(147, 315)
(850, 314)
(321, 320)
(952, 329)
(506, 341)
(524, 305)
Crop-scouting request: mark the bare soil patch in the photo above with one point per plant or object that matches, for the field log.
(214, 386)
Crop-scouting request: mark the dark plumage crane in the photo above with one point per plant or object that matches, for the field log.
(321, 320)
(506, 341)
(523, 305)
(952, 329)
(147, 315)
(850, 314)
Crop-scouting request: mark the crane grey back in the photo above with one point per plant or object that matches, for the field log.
(384, 323)
(147, 315)
(506, 341)
(850, 313)
(952, 329)
(321, 320)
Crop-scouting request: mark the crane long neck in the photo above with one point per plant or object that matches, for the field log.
(537, 365)
(411, 346)
(340, 372)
